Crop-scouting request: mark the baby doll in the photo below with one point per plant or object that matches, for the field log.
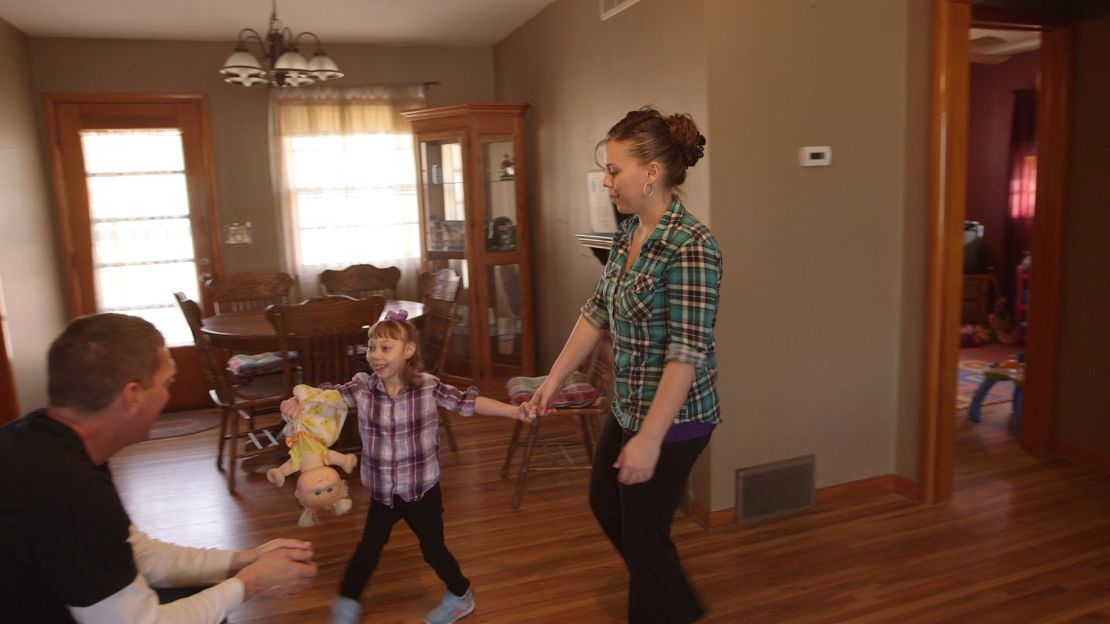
(313, 420)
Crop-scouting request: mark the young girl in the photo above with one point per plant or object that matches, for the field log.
(398, 424)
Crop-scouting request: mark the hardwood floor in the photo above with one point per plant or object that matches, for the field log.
(1024, 540)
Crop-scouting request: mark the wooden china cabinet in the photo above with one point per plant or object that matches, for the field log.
(474, 220)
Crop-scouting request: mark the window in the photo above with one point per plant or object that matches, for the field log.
(348, 181)
(142, 249)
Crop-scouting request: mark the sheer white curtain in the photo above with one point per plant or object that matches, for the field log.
(346, 180)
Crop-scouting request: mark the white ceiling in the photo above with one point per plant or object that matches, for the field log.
(411, 22)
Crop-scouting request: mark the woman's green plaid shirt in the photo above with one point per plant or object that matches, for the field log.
(663, 309)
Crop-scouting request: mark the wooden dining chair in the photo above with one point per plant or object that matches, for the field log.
(250, 290)
(439, 292)
(328, 336)
(361, 281)
(436, 327)
(586, 395)
(442, 284)
(235, 403)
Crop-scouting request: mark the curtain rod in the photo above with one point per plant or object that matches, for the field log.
(426, 83)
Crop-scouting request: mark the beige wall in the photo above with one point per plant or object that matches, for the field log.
(28, 267)
(239, 115)
(581, 76)
(915, 191)
(1083, 412)
(824, 339)
(820, 330)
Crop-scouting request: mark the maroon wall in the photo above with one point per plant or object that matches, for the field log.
(990, 116)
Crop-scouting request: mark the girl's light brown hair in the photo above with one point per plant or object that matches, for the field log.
(404, 332)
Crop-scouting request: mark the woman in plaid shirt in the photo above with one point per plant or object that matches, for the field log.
(658, 299)
(399, 427)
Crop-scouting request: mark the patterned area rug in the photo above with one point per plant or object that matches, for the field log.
(973, 361)
(173, 424)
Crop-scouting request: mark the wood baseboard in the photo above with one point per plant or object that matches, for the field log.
(712, 519)
(874, 485)
(1082, 456)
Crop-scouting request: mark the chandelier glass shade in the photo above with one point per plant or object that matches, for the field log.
(278, 50)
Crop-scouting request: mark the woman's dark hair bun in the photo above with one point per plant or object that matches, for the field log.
(690, 142)
(692, 153)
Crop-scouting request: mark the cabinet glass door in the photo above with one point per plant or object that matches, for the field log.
(499, 175)
(504, 320)
(441, 176)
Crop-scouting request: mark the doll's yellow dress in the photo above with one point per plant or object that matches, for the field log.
(323, 413)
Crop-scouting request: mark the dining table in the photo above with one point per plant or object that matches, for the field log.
(249, 331)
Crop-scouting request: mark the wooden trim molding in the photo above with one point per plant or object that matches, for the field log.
(712, 519)
(947, 196)
(875, 485)
(890, 483)
(1042, 350)
(1082, 456)
(947, 199)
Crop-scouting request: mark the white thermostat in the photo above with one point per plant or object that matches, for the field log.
(816, 156)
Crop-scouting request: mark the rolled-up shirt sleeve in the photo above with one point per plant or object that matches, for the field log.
(451, 398)
(693, 284)
(594, 309)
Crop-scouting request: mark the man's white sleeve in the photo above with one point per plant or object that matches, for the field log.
(167, 565)
(138, 604)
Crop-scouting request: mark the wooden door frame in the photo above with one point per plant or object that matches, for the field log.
(190, 388)
(947, 208)
(206, 192)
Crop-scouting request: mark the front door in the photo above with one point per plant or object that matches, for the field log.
(136, 210)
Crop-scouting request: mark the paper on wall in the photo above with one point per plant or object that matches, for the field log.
(602, 218)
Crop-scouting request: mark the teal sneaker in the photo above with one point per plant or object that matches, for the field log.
(451, 608)
(344, 611)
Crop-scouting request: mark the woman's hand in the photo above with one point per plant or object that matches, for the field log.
(636, 462)
(541, 399)
(526, 412)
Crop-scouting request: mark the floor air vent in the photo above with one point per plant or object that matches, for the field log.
(774, 490)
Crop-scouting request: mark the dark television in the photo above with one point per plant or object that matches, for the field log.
(975, 253)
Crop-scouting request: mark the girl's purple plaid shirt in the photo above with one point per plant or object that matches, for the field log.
(400, 437)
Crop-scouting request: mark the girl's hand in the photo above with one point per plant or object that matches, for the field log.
(526, 412)
(636, 462)
(291, 407)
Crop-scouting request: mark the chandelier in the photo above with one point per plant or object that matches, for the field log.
(279, 51)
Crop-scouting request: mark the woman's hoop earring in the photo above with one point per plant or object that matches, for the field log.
(648, 189)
